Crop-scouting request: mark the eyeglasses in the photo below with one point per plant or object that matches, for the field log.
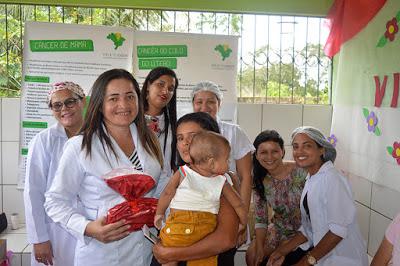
(69, 103)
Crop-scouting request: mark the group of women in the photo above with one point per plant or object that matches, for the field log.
(66, 199)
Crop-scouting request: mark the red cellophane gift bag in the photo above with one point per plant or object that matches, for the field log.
(132, 185)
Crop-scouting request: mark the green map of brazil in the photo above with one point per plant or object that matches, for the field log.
(224, 50)
(117, 39)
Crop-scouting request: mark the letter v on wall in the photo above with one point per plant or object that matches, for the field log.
(379, 90)
(395, 97)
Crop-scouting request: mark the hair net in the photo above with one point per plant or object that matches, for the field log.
(66, 85)
(318, 137)
(207, 86)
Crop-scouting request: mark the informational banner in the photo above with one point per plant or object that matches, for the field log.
(194, 58)
(64, 52)
(366, 116)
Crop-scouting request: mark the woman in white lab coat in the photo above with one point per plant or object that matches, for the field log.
(114, 135)
(328, 213)
(51, 243)
(159, 102)
(207, 97)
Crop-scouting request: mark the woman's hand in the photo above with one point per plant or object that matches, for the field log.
(158, 219)
(259, 255)
(43, 252)
(161, 253)
(242, 235)
(276, 258)
(107, 232)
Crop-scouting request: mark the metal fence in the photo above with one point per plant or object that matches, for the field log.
(280, 57)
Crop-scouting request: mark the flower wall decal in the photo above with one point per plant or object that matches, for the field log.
(372, 121)
(332, 139)
(392, 28)
(394, 151)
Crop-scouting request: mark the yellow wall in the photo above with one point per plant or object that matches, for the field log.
(289, 7)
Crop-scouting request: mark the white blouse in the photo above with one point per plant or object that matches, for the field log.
(332, 208)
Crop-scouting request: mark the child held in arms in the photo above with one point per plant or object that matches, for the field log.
(193, 195)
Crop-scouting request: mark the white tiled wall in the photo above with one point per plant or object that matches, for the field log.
(377, 228)
(283, 118)
(385, 201)
(11, 198)
(376, 205)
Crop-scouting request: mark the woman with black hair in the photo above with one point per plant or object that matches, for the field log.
(224, 238)
(328, 214)
(114, 135)
(278, 185)
(158, 95)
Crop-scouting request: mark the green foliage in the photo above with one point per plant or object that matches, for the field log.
(13, 17)
(278, 82)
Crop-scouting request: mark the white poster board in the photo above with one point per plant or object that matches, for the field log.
(64, 52)
(80, 53)
(194, 58)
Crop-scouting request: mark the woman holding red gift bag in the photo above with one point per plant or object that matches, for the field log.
(114, 135)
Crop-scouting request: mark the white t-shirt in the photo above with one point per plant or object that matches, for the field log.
(197, 192)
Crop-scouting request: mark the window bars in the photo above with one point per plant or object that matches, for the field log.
(281, 59)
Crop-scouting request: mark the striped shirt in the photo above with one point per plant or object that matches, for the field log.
(134, 158)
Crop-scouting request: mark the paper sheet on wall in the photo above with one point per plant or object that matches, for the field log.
(64, 52)
(194, 58)
(366, 116)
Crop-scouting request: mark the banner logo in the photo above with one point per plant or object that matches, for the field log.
(116, 38)
(223, 50)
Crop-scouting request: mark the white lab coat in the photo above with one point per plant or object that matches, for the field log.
(44, 154)
(239, 141)
(80, 175)
(332, 208)
(167, 156)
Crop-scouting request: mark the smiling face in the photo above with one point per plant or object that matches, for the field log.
(184, 135)
(207, 102)
(120, 106)
(269, 154)
(160, 93)
(69, 117)
(307, 153)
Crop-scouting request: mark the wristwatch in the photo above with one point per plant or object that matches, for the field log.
(311, 259)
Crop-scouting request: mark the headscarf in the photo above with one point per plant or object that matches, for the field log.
(318, 137)
(207, 86)
(66, 85)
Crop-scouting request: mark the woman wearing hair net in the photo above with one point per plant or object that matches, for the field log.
(52, 245)
(328, 213)
(207, 97)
